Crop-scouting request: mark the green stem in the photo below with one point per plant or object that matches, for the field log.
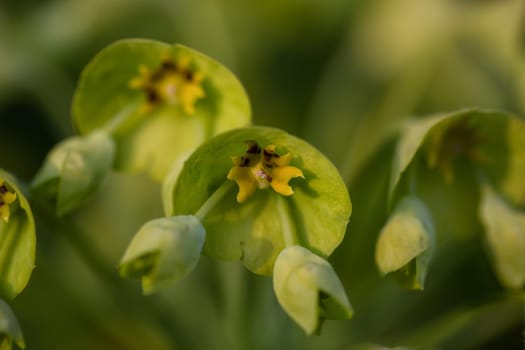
(289, 234)
(213, 200)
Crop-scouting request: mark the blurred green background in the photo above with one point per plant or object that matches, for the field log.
(342, 74)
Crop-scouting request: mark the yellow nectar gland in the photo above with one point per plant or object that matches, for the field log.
(262, 168)
(460, 140)
(173, 82)
(6, 198)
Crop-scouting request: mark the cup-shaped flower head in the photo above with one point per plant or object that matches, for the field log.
(308, 288)
(163, 250)
(158, 100)
(74, 170)
(406, 242)
(10, 332)
(17, 238)
(258, 190)
(446, 159)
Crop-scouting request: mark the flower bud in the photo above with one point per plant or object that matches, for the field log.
(308, 288)
(10, 332)
(505, 235)
(164, 250)
(406, 242)
(74, 170)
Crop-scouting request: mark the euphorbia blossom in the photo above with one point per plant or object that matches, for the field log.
(468, 168)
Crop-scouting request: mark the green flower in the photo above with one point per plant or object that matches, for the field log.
(158, 102)
(288, 231)
(450, 162)
(255, 226)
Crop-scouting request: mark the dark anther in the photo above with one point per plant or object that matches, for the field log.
(3, 189)
(188, 75)
(168, 65)
(156, 76)
(245, 162)
(323, 295)
(269, 165)
(268, 153)
(152, 96)
(253, 148)
(2, 203)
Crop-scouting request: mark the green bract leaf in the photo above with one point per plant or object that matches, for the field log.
(406, 242)
(505, 156)
(505, 233)
(17, 239)
(256, 230)
(486, 139)
(10, 332)
(164, 250)
(158, 100)
(308, 288)
(170, 181)
(74, 170)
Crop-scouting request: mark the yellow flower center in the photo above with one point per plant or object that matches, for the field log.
(6, 198)
(262, 168)
(460, 140)
(173, 82)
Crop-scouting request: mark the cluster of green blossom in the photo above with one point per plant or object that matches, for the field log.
(230, 190)
(233, 191)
